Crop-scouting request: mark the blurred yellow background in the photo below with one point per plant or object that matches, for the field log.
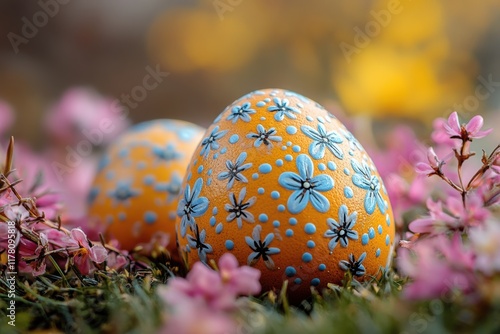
(406, 60)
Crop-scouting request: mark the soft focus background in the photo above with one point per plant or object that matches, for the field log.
(415, 64)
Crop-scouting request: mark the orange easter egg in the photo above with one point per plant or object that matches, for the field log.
(280, 183)
(135, 191)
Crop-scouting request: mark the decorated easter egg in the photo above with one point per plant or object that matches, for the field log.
(280, 183)
(134, 194)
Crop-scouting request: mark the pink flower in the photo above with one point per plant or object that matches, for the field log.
(453, 216)
(437, 265)
(207, 296)
(496, 165)
(218, 289)
(82, 111)
(6, 117)
(200, 283)
(484, 240)
(86, 253)
(117, 261)
(439, 134)
(31, 261)
(16, 213)
(437, 220)
(194, 317)
(434, 163)
(58, 239)
(238, 280)
(465, 132)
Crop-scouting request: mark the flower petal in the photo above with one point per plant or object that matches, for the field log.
(80, 237)
(317, 150)
(297, 201)
(335, 150)
(475, 124)
(249, 241)
(311, 133)
(332, 244)
(453, 125)
(290, 181)
(322, 182)
(305, 166)
(319, 202)
(370, 202)
(241, 196)
(269, 238)
(98, 254)
(199, 206)
(273, 250)
(269, 263)
(361, 181)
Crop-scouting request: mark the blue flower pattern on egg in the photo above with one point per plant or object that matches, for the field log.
(343, 229)
(306, 188)
(264, 136)
(323, 140)
(282, 108)
(354, 266)
(238, 208)
(261, 248)
(191, 206)
(234, 171)
(123, 192)
(198, 242)
(242, 113)
(364, 179)
(306, 166)
(168, 153)
(210, 143)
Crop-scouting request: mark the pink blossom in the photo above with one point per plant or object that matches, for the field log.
(16, 213)
(29, 253)
(484, 240)
(207, 296)
(496, 165)
(117, 261)
(239, 280)
(453, 216)
(437, 220)
(83, 110)
(201, 282)
(95, 253)
(437, 265)
(439, 134)
(465, 132)
(434, 163)
(194, 317)
(58, 239)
